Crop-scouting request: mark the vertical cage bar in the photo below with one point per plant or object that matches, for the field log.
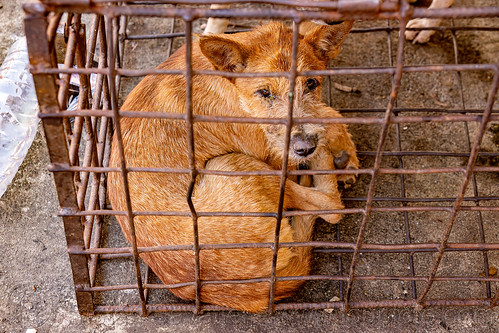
(466, 179)
(95, 243)
(402, 177)
(98, 183)
(90, 155)
(92, 40)
(403, 15)
(473, 177)
(119, 30)
(340, 265)
(74, 54)
(405, 213)
(106, 122)
(40, 55)
(65, 78)
(336, 226)
(284, 167)
(109, 22)
(69, 61)
(192, 156)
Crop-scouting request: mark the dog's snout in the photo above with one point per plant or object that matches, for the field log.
(304, 148)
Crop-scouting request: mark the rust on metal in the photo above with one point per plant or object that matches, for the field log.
(79, 143)
(192, 159)
(47, 91)
(397, 77)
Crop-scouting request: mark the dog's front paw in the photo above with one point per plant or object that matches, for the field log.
(331, 218)
(347, 161)
(421, 36)
(333, 201)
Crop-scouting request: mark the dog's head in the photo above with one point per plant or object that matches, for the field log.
(269, 49)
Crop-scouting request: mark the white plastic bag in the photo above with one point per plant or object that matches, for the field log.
(18, 111)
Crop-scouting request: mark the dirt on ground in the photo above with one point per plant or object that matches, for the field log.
(36, 287)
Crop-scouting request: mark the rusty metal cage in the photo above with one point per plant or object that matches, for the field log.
(418, 240)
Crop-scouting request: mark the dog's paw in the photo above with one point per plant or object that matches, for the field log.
(348, 161)
(333, 201)
(331, 218)
(421, 36)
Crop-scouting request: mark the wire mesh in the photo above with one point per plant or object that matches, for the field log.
(359, 251)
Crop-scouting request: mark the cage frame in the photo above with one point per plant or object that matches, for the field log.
(82, 220)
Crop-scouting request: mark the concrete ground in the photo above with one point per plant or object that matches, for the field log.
(36, 289)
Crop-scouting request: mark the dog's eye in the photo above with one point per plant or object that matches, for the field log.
(312, 84)
(264, 93)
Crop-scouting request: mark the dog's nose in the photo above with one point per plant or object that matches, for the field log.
(303, 148)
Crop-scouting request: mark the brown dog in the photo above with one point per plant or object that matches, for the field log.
(233, 147)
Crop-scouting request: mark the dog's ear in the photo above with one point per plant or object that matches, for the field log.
(326, 39)
(224, 53)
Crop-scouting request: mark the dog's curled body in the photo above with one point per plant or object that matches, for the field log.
(162, 143)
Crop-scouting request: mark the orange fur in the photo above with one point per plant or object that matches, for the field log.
(231, 147)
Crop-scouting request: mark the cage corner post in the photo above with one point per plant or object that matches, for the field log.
(40, 58)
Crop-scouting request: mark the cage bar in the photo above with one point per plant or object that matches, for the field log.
(79, 141)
